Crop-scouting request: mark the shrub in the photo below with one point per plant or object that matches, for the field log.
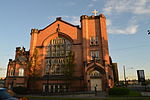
(134, 93)
(20, 90)
(118, 91)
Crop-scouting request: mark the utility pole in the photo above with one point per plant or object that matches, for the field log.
(124, 70)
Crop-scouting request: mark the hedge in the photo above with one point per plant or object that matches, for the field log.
(21, 90)
(118, 91)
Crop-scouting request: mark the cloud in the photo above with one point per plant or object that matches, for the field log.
(107, 10)
(75, 20)
(129, 9)
(52, 17)
(94, 0)
(90, 5)
(141, 10)
(133, 6)
(72, 19)
(132, 29)
(108, 22)
(71, 3)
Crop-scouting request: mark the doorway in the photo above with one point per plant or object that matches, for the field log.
(96, 81)
(96, 84)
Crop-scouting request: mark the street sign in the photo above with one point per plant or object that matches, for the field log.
(141, 76)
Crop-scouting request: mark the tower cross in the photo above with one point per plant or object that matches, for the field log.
(95, 12)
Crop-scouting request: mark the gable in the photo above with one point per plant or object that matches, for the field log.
(63, 26)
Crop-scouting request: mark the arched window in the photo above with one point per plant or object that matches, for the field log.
(58, 49)
(21, 72)
(95, 73)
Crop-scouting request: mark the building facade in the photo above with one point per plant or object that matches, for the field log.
(84, 50)
(17, 69)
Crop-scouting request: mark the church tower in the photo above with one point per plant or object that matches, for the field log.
(98, 72)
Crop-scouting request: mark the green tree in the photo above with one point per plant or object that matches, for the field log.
(69, 66)
(32, 70)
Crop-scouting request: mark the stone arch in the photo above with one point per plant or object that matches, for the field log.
(47, 40)
(96, 67)
(54, 35)
(57, 46)
(96, 76)
(96, 80)
(65, 36)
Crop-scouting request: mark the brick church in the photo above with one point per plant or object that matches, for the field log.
(83, 49)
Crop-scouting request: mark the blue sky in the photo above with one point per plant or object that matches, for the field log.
(127, 25)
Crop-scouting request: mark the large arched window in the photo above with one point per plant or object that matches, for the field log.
(95, 73)
(21, 72)
(58, 49)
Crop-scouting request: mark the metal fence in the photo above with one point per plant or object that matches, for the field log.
(139, 88)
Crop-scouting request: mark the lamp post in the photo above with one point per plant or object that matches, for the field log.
(124, 70)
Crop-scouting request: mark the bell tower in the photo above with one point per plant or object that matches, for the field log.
(94, 36)
(95, 50)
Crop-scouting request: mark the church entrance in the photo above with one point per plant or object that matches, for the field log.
(96, 81)
(96, 84)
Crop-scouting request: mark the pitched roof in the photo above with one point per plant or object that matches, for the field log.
(59, 19)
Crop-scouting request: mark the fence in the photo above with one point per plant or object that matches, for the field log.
(139, 88)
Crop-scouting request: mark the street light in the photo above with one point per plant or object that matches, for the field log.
(124, 70)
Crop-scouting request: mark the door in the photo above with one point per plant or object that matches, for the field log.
(96, 84)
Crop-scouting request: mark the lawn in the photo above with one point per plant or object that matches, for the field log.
(131, 94)
(88, 98)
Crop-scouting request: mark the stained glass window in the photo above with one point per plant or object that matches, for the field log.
(58, 49)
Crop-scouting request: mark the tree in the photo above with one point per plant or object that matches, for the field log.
(34, 64)
(69, 68)
(32, 70)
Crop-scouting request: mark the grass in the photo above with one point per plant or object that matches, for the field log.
(131, 94)
(88, 98)
(134, 93)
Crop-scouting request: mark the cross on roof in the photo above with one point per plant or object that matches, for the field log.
(95, 12)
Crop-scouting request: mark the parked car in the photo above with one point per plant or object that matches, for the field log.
(4, 95)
